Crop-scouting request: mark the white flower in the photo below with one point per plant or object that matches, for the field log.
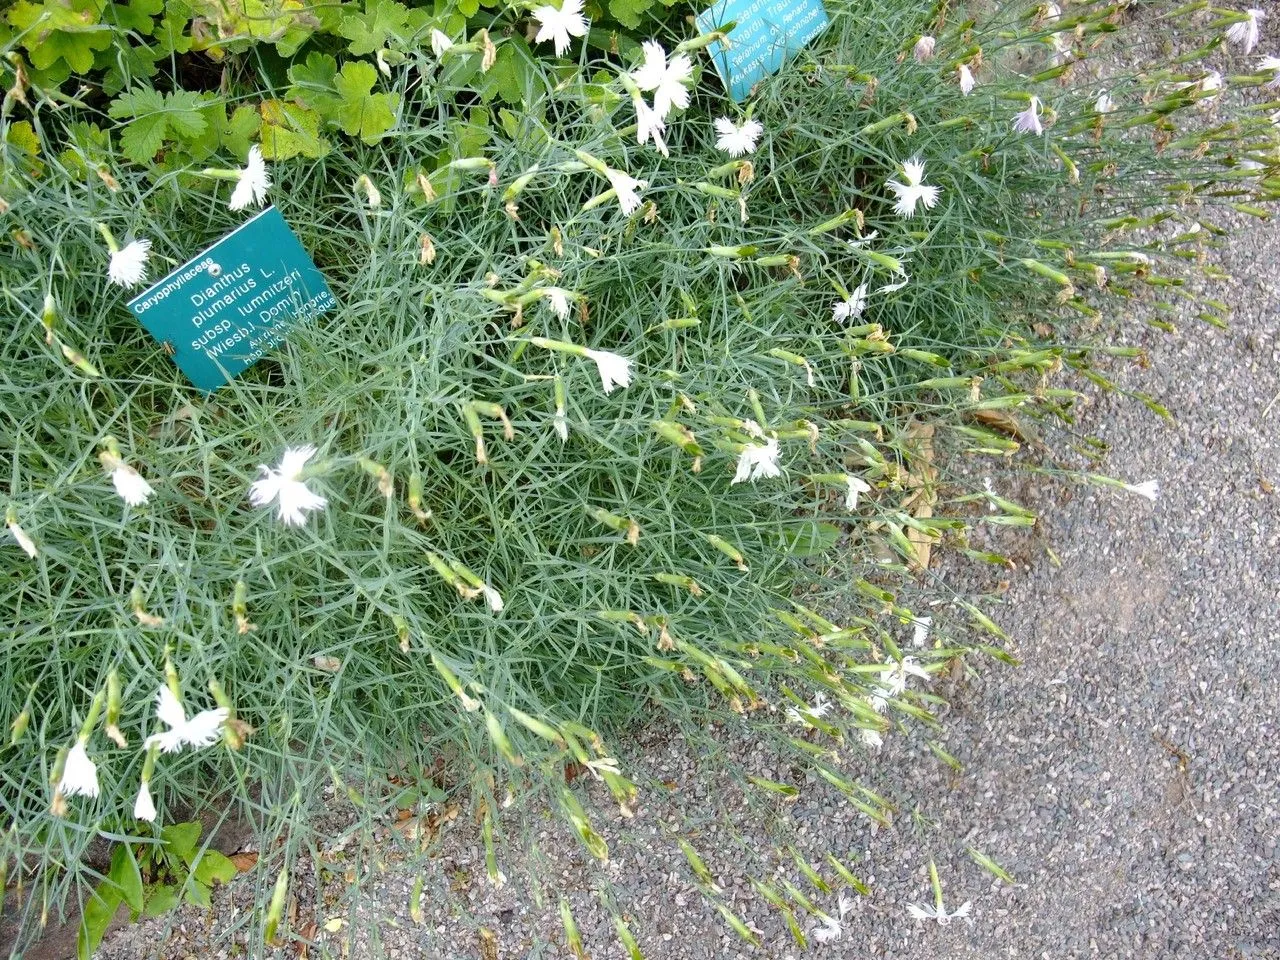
(665, 78)
(493, 598)
(440, 42)
(200, 731)
(891, 287)
(558, 300)
(821, 707)
(560, 423)
(893, 678)
(1245, 33)
(282, 482)
(626, 187)
(871, 738)
(856, 486)
(1212, 83)
(615, 370)
(913, 191)
(924, 49)
(22, 537)
(939, 913)
(129, 484)
(128, 266)
(143, 807)
(1272, 64)
(560, 25)
(830, 931)
(650, 126)
(80, 774)
(1149, 489)
(254, 182)
(851, 308)
(1028, 121)
(1104, 104)
(922, 627)
(757, 461)
(966, 79)
(736, 140)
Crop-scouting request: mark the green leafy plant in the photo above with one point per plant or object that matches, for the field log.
(152, 879)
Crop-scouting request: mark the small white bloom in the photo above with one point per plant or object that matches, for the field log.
(1149, 489)
(440, 42)
(939, 913)
(921, 633)
(1212, 83)
(966, 79)
(856, 486)
(923, 49)
(829, 931)
(22, 538)
(871, 738)
(862, 241)
(80, 774)
(253, 184)
(1028, 121)
(736, 140)
(128, 266)
(758, 461)
(913, 191)
(666, 78)
(1245, 33)
(626, 187)
(143, 807)
(821, 707)
(493, 598)
(561, 25)
(558, 300)
(1272, 64)
(614, 369)
(650, 126)
(851, 308)
(893, 678)
(283, 483)
(560, 423)
(891, 287)
(1104, 104)
(200, 731)
(129, 484)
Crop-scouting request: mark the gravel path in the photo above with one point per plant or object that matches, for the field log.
(1127, 774)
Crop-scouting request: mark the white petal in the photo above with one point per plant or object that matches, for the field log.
(920, 913)
(614, 369)
(966, 79)
(922, 628)
(128, 266)
(650, 73)
(23, 540)
(202, 729)
(130, 485)
(856, 486)
(493, 598)
(296, 499)
(294, 460)
(143, 807)
(168, 709)
(80, 774)
(169, 742)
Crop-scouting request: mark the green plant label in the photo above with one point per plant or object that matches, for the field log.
(225, 308)
(765, 34)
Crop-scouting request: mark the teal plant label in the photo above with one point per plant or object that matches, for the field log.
(223, 309)
(767, 32)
